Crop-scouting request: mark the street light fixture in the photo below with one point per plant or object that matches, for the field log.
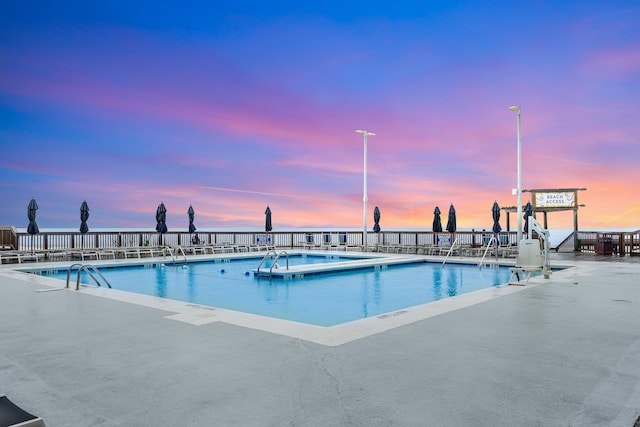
(517, 109)
(364, 198)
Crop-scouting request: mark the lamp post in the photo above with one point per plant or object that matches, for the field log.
(519, 189)
(364, 198)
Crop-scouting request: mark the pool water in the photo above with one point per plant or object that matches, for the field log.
(324, 300)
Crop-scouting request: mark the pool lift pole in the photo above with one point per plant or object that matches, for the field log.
(544, 234)
(518, 190)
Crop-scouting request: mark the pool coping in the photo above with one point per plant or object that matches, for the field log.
(198, 315)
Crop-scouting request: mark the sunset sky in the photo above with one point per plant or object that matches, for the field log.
(231, 108)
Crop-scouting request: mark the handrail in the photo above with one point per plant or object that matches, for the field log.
(534, 225)
(275, 261)
(85, 268)
(183, 254)
(125, 239)
(173, 257)
(491, 240)
(453, 246)
(69, 272)
(168, 249)
(570, 239)
(265, 258)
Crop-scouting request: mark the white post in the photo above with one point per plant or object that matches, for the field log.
(519, 189)
(365, 197)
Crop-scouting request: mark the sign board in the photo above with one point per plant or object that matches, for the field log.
(444, 240)
(263, 239)
(554, 199)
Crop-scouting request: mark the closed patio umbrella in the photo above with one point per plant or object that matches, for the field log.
(191, 214)
(376, 220)
(451, 220)
(84, 216)
(267, 225)
(437, 221)
(32, 228)
(528, 211)
(495, 212)
(192, 228)
(161, 220)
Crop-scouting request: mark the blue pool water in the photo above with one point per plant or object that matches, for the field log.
(325, 300)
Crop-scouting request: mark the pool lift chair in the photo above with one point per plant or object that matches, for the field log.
(530, 258)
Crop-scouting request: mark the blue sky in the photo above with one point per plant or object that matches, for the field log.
(231, 108)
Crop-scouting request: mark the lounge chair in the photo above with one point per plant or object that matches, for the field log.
(20, 256)
(12, 415)
(10, 256)
(310, 242)
(85, 254)
(342, 241)
(327, 242)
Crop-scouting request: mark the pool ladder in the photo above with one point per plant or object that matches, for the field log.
(174, 257)
(86, 268)
(493, 242)
(275, 260)
(457, 243)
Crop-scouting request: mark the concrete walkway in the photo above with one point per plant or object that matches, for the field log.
(563, 353)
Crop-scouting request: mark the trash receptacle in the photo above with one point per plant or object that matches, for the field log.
(604, 245)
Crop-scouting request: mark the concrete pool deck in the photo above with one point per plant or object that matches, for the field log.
(564, 351)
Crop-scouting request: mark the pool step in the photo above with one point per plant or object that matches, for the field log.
(300, 271)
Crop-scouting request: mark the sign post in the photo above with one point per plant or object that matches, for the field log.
(558, 199)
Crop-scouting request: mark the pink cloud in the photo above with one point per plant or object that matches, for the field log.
(613, 63)
(440, 139)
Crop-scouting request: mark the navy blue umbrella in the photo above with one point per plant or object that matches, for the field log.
(495, 211)
(191, 214)
(528, 211)
(376, 219)
(267, 224)
(192, 228)
(161, 219)
(451, 220)
(32, 228)
(84, 216)
(437, 221)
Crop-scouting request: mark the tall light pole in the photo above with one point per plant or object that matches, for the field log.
(364, 198)
(519, 189)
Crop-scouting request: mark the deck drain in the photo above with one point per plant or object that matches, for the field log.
(637, 424)
(622, 300)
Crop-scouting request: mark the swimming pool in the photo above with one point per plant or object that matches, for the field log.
(325, 300)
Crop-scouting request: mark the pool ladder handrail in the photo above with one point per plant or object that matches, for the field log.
(452, 248)
(276, 256)
(491, 241)
(86, 268)
(174, 257)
